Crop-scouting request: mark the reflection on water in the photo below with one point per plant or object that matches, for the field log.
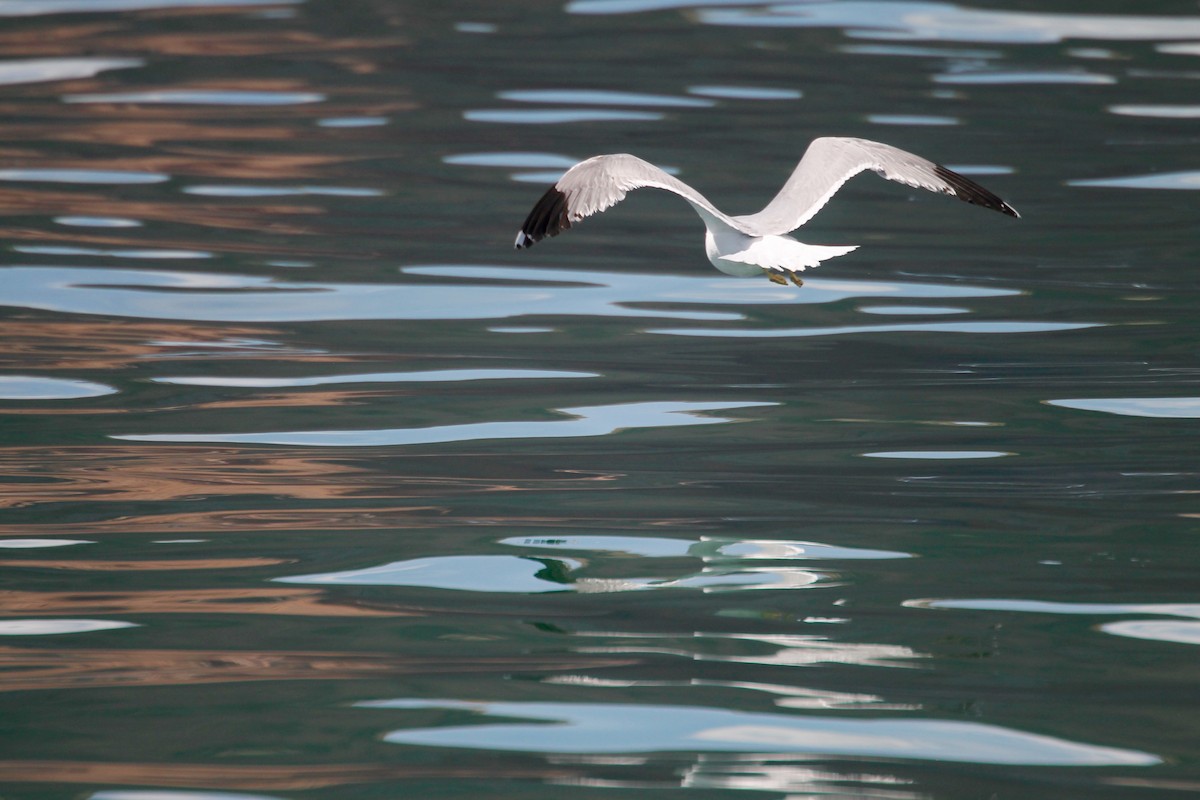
(722, 568)
(616, 728)
(1159, 407)
(918, 20)
(594, 421)
(44, 669)
(49, 627)
(766, 650)
(310, 486)
(1178, 631)
(223, 776)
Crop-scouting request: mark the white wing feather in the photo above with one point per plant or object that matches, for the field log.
(829, 162)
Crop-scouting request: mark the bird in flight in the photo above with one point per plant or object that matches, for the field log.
(752, 244)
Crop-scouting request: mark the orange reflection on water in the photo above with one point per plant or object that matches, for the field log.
(70, 38)
(239, 776)
(125, 473)
(142, 133)
(306, 398)
(37, 669)
(259, 520)
(132, 473)
(303, 602)
(223, 216)
(110, 345)
(139, 566)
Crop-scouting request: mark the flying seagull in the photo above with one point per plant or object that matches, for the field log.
(755, 243)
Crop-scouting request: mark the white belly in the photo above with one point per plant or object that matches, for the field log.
(735, 253)
(716, 247)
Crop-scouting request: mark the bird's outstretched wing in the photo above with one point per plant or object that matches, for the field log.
(599, 183)
(829, 162)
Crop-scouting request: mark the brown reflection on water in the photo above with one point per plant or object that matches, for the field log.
(27, 201)
(131, 473)
(104, 484)
(259, 520)
(30, 476)
(80, 237)
(303, 398)
(112, 345)
(302, 602)
(245, 777)
(39, 669)
(142, 133)
(147, 565)
(252, 116)
(72, 37)
(210, 163)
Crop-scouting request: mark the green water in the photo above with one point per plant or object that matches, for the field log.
(313, 488)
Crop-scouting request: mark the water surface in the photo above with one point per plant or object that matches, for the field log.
(313, 488)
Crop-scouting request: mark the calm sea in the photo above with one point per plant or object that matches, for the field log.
(311, 487)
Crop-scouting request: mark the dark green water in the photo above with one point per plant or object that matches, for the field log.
(313, 488)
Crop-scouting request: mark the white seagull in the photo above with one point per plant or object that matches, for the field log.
(755, 243)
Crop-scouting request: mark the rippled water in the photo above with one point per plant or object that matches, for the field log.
(312, 487)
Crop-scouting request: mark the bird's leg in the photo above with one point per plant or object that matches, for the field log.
(776, 277)
(795, 279)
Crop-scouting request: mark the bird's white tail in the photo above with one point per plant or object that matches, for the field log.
(780, 254)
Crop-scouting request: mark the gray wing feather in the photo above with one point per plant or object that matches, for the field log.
(829, 162)
(599, 183)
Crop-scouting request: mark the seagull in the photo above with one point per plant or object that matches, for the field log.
(755, 243)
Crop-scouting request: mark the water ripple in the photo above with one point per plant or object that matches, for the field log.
(912, 119)
(558, 116)
(1191, 610)
(723, 566)
(927, 327)
(1158, 180)
(1157, 111)
(582, 421)
(259, 190)
(919, 21)
(87, 176)
(1005, 77)
(42, 70)
(203, 97)
(126, 252)
(540, 727)
(53, 627)
(516, 160)
(1157, 407)
(174, 794)
(29, 8)
(938, 455)
(706, 548)
(98, 222)
(603, 98)
(437, 375)
(1175, 631)
(227, 298)
(517, 292)
(745, 92)
(36, 387)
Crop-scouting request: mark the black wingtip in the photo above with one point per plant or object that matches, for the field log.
(971, 192)
(548, 218)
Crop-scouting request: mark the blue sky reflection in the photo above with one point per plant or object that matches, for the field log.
(628, 728)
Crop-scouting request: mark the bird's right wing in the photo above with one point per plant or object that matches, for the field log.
(599, 183)
(829, 162)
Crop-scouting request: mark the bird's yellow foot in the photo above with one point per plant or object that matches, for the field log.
(795, 279)
(776, 277)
